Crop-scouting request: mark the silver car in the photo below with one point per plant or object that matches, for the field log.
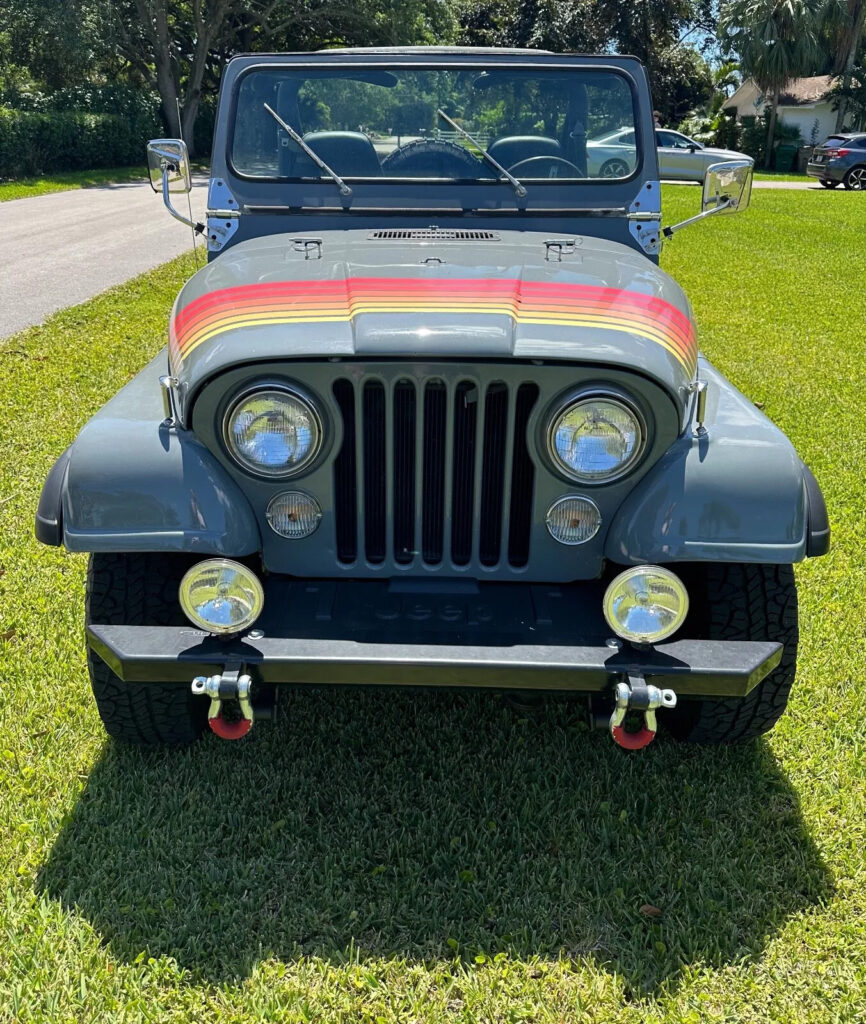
(680, 158)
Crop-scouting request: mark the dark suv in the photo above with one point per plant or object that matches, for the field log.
(840, 159)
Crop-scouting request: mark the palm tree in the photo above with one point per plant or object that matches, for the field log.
(777, 40)
(844, 23)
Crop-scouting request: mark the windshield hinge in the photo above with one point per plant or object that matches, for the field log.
(223, 215)
(645, 218)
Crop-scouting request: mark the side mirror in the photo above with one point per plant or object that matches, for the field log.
(168, 167)
(170, 158)
(728, 186)
(727, 189)
(692, 148)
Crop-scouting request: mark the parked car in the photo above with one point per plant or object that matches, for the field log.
(680, 158)
(840, 160)
(433, 415)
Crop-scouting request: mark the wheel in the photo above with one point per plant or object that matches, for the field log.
(139, 590)
(855, 179)
(531, 167)
(739, 602)
(615, 168)
(429, 158)
(828, 184)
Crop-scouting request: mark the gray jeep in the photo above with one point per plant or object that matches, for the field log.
(431, 415)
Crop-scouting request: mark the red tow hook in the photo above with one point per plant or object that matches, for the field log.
(639, 696)
(227, 686)
(229, 730)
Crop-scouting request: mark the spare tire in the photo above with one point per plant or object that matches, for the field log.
(428, 158)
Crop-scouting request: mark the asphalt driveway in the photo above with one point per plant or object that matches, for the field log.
(63, 248)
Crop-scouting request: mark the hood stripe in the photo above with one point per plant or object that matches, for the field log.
(524, 302)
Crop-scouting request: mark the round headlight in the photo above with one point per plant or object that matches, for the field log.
(273, 431)
(646, 604)
(573, 520)
(293, 514)
(221, 596)
(595, 439)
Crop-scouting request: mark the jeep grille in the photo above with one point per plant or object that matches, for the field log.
(434, 471)
(433, 235)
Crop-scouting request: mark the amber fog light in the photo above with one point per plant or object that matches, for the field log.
(646, 604)
(293, 514)
(221, 596)
(573, 520)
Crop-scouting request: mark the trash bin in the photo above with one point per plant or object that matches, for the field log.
(785, 155)
(804, 155)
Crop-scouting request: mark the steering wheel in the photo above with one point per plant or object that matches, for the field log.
(531, 167)
(431, 158)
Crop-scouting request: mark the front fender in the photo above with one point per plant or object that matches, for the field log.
(130, 482)
(738, 493)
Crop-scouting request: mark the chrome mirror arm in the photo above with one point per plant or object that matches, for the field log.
(166, 198)
(723, 205)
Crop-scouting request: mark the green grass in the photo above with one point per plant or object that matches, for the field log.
(24, 188)
(780, 176)
(408, 857)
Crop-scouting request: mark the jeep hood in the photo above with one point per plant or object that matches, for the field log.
(492, 295)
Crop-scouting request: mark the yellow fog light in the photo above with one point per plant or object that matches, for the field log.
(221, 596)
(646, 604)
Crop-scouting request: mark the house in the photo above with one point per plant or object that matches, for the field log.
(804, 103)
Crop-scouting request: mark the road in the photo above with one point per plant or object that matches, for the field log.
(64, 248)
(61, 249)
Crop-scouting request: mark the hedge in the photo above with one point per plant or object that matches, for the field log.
(34, 142)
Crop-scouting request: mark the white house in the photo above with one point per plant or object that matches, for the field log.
(804, 103)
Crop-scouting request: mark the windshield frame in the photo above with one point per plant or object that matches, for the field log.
(438, 63)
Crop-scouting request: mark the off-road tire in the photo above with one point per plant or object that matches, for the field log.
(739, 602)
(140, 590)
(407, 159)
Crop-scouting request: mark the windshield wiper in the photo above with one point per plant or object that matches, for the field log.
(317, 160)
(519, 189)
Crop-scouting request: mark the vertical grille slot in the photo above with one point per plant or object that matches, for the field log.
(345, 469)
(375, 512)
(433, 517)
(493, 473)
(522, 479)
(463, 454)
(434, 472)
(404, 471)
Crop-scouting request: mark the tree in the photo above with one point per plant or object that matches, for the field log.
(844, 23)
(776, 40)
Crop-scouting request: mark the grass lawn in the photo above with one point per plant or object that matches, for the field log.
(24, 188)
(388, 858)
(781, 176)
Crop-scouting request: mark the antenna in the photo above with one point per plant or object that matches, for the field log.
(189, 194)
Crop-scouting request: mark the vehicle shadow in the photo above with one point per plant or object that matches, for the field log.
(433, 825)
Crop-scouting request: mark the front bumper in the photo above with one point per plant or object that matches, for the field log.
(699, 668)
(414, 633)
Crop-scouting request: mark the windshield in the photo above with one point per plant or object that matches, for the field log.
(396, 124)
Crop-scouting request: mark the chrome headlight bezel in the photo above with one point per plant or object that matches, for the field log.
(299, 395)
(565, 404)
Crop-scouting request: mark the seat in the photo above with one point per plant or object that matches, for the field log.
(512, 149)
(350, 154)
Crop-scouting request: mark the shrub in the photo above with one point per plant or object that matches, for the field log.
(34, 142)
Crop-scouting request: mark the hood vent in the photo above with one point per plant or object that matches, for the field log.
(433, 235)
